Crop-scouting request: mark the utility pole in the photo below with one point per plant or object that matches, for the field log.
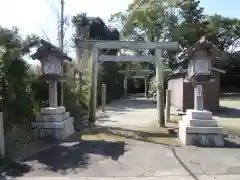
(61, 41)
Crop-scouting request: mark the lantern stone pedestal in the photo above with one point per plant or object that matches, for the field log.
(54, 122)
(199, 128)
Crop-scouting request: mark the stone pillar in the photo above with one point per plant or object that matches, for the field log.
(50, 94)
(79, 54)
(168, 105)
(2, 142)
(54, 94)
(103, 97)
(82, 54)
(86, 62)
(146, 86)
(93, 91)
(160, 87)
(125, 86)
(53, 100)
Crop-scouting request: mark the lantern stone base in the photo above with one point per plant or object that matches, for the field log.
(199, 129)
(54, 122)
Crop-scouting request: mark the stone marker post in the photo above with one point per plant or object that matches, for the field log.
(198, 97)
(146, 86)
(168, 105)
(103, 97)
(125, 86)
(2, 138)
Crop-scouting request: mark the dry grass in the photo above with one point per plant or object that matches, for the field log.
(152, 134)
(175, 118)
(102, 136)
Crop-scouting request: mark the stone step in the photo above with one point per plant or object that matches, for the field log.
(200, 122)
(52, 110)
(58, 133)
(53, 117)
(199, 130)
(52, 125)
(196, 114)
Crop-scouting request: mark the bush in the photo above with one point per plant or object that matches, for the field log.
(75, 97)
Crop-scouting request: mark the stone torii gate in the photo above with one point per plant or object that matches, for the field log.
(143, 74)
(96, 58)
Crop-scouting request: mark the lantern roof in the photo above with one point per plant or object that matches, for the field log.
(202, 45)
(46, 49)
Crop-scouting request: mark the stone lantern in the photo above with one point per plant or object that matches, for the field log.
(53, 120)
(197, 126)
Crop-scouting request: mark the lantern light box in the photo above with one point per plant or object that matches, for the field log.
(200, 57)
(52, 66)
(199, 66)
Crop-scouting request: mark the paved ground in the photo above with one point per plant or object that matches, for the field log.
(134, 112)
(229, 115)
(100, 159)
(229, 112)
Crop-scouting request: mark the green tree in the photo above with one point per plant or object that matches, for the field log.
(149, 20)
(192, 26)
(144, 20)
(15, 92)
(224, 31)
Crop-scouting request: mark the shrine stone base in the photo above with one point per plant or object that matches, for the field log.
(54, 122)
(200, 129)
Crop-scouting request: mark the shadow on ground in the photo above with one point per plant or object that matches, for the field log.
(228, 112)
(69, 155)
(231, 143)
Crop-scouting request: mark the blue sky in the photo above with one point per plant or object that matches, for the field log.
(228, 8)
(36, 16)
